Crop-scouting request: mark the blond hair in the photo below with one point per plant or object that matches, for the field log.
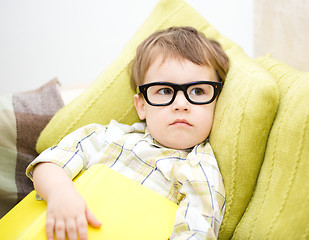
(181, 43)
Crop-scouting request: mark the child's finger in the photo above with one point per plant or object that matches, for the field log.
(60, 229)
(82, 226)
(50, 225)
(93, 222)
(71, 229)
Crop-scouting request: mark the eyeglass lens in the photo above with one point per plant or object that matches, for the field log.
(163, 94)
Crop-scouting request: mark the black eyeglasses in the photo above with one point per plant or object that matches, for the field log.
(164, 93)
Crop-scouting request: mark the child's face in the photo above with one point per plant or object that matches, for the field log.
(180, 125)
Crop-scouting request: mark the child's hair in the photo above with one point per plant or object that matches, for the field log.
(181, 43)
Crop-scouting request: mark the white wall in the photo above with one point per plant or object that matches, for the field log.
(281, 30)
(74, 40)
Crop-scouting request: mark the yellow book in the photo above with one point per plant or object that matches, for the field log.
(126, 209)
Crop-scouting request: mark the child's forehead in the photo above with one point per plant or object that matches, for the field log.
(177, 70)
(162, 58)
(163, 53)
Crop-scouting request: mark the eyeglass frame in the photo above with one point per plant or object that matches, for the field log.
(180, 87)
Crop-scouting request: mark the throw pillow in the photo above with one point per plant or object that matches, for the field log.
(23, 117)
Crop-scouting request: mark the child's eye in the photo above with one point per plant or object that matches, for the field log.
(165, 91)
(197, 91)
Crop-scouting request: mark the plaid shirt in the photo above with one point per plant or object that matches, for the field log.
(190, 178)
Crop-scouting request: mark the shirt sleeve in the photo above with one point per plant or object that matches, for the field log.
(201, 196)
(83, 147)
(75, 152)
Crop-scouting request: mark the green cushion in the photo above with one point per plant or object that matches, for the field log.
(279, 208)
(243, 118)
(244, 115)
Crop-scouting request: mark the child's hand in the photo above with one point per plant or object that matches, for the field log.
(68, 214)
(67, 211)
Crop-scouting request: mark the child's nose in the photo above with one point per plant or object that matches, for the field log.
(180, 102)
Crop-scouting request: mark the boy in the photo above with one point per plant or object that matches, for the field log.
(179, 74)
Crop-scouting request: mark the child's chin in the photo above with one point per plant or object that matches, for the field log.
(180, 144)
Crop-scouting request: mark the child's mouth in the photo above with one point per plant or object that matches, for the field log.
(180, 122)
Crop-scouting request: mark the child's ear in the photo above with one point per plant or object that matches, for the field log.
(139, 103)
